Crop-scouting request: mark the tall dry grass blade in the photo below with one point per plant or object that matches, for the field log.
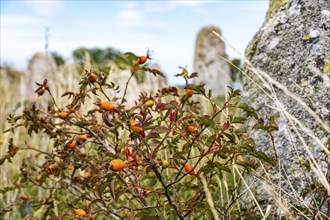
(268, 211)
(281, 204)
(209, 199)
(250, 191)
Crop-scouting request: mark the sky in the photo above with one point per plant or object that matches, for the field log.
(168, 28)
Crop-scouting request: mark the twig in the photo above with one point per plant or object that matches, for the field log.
(126, 86)
(105, 142)
(159, 177)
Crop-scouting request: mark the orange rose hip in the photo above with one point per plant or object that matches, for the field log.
(63, 115)
(107, 106)
(80, 212)
(189, 93)
(191, 129)
(134, 127)
(72, 144)
(116, 165)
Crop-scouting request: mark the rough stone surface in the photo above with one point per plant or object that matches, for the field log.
(293, 48)
(213, 71)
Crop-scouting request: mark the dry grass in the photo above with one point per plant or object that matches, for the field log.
(13, 103)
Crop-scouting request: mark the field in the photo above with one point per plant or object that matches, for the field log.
(182, 126)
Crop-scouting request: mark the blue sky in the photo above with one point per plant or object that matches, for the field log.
(169, 28)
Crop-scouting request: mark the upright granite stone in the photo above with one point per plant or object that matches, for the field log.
(291, 53)
(213, 71)
(40, 67)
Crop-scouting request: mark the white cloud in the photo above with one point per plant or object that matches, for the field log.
(130, 15)
(46, 9)
(147, 24)
(136, 18)
(19, 20)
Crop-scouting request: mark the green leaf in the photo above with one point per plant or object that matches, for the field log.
(272, 118)
(140, 76)
(207, 122)
(247, 147)
(121, 179)
(260, 126)
(272, 128)
(251, 111)
(240, 120)
(102, 187)
(262, 156)
(210, 93)
(233, 93)
(246, 163)
(197, 88)
(30, 129)
(224, 168)
(207, 169)
(239, 132)
(152, 181)
(230, 137)
(248, 141)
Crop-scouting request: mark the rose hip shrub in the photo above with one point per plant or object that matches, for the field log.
(162, 158)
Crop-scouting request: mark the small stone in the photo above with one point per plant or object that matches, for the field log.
(40, 67)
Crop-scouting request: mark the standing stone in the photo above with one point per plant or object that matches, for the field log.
(213, 71)
(292, 53)
(153, 83)
(40, 67)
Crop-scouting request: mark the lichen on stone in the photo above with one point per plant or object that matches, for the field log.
(326, 67)
(307, 37)
(274, 6)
